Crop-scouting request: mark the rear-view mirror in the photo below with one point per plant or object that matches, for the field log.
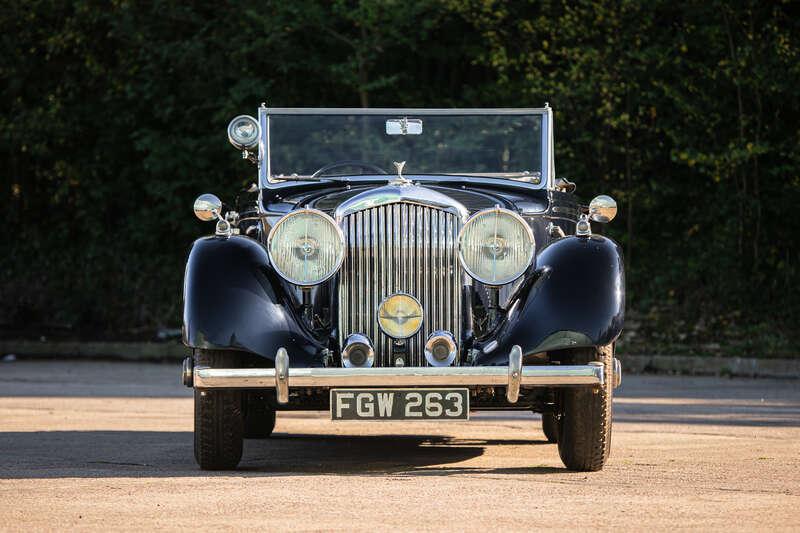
(403, 126)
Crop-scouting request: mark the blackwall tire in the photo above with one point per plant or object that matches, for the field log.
(218, 417)
(259, 418)
(550, 427)
(584, 426)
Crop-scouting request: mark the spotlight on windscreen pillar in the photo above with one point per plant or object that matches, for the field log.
(244, 132)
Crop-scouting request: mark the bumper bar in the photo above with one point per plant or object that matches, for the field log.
(513, 376)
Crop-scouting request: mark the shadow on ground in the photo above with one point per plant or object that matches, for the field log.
(62, 454)
(708, 415)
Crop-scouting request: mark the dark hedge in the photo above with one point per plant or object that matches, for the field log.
(114, 114)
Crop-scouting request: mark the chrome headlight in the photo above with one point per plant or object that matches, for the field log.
(243, 132)
(495, 246)
(306, 247)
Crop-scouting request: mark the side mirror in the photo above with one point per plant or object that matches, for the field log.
(602, 209)
(207, 207)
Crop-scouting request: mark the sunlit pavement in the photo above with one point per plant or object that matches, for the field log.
(109, 445)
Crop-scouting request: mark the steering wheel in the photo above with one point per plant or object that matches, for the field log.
(348, 163)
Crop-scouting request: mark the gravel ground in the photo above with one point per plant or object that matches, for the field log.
(688, 453)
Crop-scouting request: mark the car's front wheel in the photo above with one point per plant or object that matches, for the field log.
(259, 416)
(584, 422)
(550, 427)
(218, 417)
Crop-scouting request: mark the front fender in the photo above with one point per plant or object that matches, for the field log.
(233, 301)
(577, 300)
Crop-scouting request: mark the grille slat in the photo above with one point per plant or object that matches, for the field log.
(394, 248)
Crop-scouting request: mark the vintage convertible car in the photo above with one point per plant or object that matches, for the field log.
(412, 264)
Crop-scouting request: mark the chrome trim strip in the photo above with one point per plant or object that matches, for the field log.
(264, 378)
(405, 111)
(432, 179)
(548, 159)
(264, 170)
(386, 275)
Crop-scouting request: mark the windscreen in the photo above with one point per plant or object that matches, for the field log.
(490, 145)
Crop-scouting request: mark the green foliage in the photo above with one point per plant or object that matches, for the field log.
(114, 114)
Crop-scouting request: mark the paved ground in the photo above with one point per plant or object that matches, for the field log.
(699, 453)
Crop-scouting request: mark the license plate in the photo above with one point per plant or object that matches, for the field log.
(399, 404)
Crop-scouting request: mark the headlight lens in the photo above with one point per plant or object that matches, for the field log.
(243, 132)
(496, 246)
(306, 247)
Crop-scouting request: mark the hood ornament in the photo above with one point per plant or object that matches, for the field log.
(400, 179)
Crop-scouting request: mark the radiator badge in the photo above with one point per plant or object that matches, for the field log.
(400, 316)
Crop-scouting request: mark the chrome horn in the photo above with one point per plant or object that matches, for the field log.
(441, 348)
(358, 352)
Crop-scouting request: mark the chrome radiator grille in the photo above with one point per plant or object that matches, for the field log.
(400, 247)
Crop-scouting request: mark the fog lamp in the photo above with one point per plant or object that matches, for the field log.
(400, 316)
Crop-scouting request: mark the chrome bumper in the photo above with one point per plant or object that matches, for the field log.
(512, 376)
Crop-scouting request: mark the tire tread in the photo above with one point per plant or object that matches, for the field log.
(584, 427)
(218, 419)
